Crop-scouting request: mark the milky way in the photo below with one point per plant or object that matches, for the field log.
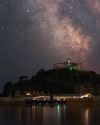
(35, 34)
(67, 38)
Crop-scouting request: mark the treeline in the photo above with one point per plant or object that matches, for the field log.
(55, 81)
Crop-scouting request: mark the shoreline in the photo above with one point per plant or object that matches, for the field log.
(24, 101)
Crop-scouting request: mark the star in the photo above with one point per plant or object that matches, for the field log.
(28, 11)
(2, 27)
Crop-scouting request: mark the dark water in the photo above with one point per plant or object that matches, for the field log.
(50, 115)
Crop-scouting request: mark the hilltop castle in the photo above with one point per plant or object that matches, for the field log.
(68, 65)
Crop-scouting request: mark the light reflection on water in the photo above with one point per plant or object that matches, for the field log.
(50, 115)
(86, 116)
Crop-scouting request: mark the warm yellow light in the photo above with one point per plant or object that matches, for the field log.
(88, 95)
(28, 93)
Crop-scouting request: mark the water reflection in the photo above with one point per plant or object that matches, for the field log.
(49, 115)
(58, 114)
(87, 116)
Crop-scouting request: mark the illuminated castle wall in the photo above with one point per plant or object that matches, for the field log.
(60, 66)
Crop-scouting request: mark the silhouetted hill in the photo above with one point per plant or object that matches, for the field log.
(57, 81)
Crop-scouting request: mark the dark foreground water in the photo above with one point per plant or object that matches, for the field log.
(50, 115)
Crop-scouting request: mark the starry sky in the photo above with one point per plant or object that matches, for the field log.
(35, 34)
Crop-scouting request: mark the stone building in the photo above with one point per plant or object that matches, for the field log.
(68, 65)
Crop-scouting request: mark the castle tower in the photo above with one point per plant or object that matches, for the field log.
(68, 62)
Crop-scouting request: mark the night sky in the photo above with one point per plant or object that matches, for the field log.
(35, 34)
